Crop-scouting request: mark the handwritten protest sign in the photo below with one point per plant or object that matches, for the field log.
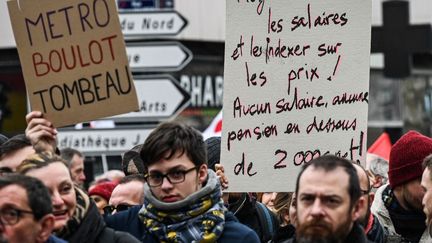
(296, 87)
(73, 59)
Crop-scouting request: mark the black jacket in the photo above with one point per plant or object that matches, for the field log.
(284, 233)
(376, 233)
(93, 230)
(246, 211)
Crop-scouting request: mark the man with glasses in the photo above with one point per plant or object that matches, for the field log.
(129, 192)
(25, 211)
(182, 198)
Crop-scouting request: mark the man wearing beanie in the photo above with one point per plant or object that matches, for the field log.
(398, 205)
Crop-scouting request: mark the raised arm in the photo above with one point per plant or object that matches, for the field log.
(41, 132)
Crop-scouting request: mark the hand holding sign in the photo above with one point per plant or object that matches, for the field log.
(296, 87)
(73, 59)
(40, 132)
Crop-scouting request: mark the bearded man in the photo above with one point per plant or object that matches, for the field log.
(329, 202)
(398, 205)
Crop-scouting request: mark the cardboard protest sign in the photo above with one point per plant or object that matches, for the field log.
(73, 59)
(296, 87)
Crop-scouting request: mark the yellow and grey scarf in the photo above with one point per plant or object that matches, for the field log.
(198, 218)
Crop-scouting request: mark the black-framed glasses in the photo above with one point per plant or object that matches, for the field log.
(109, 209)
(11, 216)
(174, 177)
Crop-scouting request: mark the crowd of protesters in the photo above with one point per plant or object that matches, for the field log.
(172, 187)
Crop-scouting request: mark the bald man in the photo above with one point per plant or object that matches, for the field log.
(373, 229)
(129, 192)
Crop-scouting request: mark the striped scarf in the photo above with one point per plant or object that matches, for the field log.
(198, 218)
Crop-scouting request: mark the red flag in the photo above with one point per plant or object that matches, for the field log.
(215, 127)
(381, 146)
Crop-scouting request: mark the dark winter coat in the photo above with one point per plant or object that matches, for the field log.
(376, 232)
(284, 233)
(94, 230)
(128, 221)
(246, 211)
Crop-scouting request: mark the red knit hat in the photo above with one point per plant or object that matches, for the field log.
(103, 189)
(406, 158)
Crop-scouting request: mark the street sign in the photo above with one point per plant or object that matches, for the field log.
(160, 98)
(97, 141)
(157, 56)
(139, 24)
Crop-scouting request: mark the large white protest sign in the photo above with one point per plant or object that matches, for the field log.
(296, 87)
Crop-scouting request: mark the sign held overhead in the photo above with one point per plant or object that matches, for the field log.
(151, 23)
(75, 68)
(296, 88)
